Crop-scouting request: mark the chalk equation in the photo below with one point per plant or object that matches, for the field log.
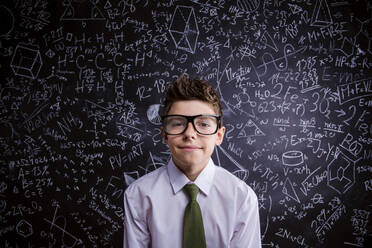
(81, 97)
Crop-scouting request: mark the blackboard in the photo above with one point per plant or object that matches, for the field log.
(82, 83)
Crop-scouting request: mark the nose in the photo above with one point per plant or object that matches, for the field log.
(190, 131)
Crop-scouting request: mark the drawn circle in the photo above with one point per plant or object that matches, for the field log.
(7, 20)
(243, 97)
(292, 158)
(153, 114)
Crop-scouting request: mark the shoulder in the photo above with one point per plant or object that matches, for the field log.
(143, 185)
(237, 188)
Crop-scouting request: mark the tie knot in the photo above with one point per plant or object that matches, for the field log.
(192, 191)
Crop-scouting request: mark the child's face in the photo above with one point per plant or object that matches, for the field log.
(191, 150)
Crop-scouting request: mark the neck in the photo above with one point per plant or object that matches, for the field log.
(192, 177)
(191, 172)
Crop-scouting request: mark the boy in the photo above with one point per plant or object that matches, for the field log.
(190, 202)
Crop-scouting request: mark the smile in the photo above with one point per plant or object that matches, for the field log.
(190, 148)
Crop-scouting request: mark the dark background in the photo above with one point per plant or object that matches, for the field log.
(82, 83)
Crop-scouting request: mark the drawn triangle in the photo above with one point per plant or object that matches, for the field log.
(227, 43)
(191, 24)
(183, 43)
(16, 190)
(186, 13)
(81, 10)
(295, 8)
(96, 14)
(242, 134)
(177, 36)
(250, 129)
(192, 41)
(321, 15)
(107, 5)
(69, 13)
(258, 132)
(289, 191)
(268, 41)
(178, 16)
(161, 38)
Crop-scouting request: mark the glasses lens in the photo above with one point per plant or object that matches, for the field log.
(206, 124)
(174, 124)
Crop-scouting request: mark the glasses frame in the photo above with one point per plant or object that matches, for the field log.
(191, 119)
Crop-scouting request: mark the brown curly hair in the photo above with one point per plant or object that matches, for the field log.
(185, 88)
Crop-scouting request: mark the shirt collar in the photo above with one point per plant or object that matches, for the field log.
(178, 180)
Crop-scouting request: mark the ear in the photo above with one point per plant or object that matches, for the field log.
(165, 136)
(220, 133)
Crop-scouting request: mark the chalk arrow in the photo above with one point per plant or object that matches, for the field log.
(340, 112)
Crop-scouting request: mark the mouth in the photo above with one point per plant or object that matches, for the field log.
(190, 148)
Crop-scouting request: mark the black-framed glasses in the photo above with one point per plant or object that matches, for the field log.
(203, 124)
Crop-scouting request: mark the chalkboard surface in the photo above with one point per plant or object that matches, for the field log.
(82, 82)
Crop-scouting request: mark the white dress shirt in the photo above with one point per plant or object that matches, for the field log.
(154, 208)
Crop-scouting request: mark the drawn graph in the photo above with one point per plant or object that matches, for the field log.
(59, 224)
(279, 62)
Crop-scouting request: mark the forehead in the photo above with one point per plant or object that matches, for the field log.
(191, 107)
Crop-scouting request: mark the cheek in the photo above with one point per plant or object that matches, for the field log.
(171, 141)
(211, 145)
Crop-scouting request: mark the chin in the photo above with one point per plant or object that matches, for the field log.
(189, 161)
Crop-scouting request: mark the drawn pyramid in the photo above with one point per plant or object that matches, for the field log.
(321, 15)
(77, 10)
(289, 191)
(250, 129)
(184, 28)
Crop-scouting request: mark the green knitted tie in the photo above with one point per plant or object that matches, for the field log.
(193, 229)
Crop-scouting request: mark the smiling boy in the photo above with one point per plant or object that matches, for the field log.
(191, 202)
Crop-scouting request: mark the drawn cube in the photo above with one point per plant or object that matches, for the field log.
(341, 173)
(26, 62)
